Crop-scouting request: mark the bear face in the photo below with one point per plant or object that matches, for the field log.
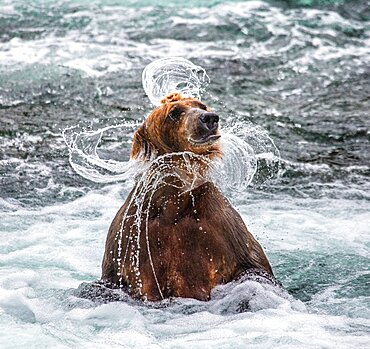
(178, 125)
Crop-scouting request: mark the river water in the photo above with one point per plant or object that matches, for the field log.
(299, 70)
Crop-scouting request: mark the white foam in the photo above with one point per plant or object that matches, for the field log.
(323, 226)
(93, 59)
(98, 50)
(43, 252)
(60, 246)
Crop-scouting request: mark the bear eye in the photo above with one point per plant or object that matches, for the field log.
(202, 106)
(175, 114)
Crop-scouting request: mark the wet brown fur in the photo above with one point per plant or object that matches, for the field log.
(197, 240)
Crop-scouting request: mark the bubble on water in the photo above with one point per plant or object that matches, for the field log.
(173, 74)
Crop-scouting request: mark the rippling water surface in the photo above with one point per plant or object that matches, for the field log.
(298, 69)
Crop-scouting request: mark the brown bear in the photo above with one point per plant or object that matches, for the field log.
(177, 235)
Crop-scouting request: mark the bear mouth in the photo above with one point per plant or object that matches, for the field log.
(204, 141)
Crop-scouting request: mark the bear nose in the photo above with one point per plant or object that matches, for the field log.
(209, 120)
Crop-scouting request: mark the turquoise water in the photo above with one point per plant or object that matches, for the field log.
(297, 69)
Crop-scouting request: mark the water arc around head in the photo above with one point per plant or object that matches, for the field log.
(173, 74)
(243, 145)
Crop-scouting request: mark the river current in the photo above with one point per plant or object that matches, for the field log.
(297, 70)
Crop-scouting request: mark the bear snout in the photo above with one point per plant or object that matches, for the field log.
(209, 121)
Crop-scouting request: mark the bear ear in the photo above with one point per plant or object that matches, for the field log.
(172, 97)
(141, 148)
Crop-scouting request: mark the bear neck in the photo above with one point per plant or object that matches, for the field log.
(172, 183)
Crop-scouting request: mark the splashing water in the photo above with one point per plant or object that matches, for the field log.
(247, 149)
(173, 74)
(84, 158)
(250, 155)
(238, 166)
(248, 152)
